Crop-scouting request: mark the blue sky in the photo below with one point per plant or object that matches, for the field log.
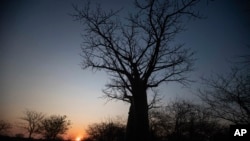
(40, 61)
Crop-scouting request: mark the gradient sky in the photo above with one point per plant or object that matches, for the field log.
(39, 58)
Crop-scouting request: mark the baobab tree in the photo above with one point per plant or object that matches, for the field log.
(137, 52)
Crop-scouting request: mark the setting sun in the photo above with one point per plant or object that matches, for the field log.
(78, 139)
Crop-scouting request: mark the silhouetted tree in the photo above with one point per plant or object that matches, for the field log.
(106, 131)
(137, 52)
(54, 125)
(32, 121)
(229, 95)
(4, 127)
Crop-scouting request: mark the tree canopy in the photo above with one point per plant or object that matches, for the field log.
(137, 52)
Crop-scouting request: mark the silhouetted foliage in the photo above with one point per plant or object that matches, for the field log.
(228, 95)
(54, 125)
(32, 121)
(178, 121)
(4, 127)
(184, 121)
(137, 52)
(106, 131)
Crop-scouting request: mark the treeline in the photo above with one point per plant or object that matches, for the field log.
(37, 125)
(186, 121)
(178, 121)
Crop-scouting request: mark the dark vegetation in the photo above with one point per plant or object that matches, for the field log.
(37, 126)
(179, 121)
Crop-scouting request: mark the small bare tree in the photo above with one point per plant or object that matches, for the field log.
(137, 52)
(4, 127)
(32, 121)
(229, 95)
(54, 125)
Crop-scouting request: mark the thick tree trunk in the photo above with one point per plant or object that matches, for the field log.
(130, 129)
(141, 115)
(138, 123)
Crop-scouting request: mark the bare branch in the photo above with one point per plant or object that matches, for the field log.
(229, 96)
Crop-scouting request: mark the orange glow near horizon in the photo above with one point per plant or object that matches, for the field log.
(78, 138)
(77, 132)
